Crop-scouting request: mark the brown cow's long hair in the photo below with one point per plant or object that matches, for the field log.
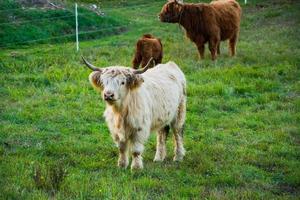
(171, 12)
(146, 47)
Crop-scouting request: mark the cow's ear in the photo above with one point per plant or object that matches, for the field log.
(95, 80)
(134, 81)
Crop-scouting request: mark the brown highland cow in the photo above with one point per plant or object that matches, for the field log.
(212, 23)
(146, 47)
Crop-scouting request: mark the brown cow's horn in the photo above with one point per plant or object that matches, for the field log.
(89, 65)
(140, 71)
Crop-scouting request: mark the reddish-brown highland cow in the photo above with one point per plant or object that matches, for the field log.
(146, 47)
(212, 23)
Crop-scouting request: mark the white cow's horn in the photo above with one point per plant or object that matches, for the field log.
(89, 65)
(140, 71)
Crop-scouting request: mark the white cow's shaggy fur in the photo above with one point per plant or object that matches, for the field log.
(155, 100)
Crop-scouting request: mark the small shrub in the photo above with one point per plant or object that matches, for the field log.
(49, 178)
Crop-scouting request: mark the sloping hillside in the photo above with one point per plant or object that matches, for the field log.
(40, 22)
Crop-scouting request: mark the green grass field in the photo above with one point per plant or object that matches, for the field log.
(242, 129)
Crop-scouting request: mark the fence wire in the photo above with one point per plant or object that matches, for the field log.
(64, 36)
(36, 20)
(72, 14)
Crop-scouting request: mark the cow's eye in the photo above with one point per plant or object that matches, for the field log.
(122, 83)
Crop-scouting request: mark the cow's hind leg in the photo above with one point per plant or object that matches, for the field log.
(232, 44)
(161, 144)
(178, 128)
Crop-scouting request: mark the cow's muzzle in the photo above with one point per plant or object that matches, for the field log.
(109, 96)
(161, 17)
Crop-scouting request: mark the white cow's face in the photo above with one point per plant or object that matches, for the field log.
(114, 83)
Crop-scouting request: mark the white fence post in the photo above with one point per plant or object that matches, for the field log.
(245, 1)
(76, 19)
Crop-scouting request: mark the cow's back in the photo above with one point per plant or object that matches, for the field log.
(169, 72)
(150, 47)
(166, 86)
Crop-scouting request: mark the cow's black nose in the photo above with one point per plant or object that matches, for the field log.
(108, 96)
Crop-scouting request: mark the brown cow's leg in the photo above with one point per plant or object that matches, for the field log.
(232, 45)
(159, 59)
(219, 52)
(136, 61)
(213, 46)
(156, 62)
(200, 41)
(201, 50)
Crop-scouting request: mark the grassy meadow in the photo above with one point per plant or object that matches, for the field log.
(242, 128)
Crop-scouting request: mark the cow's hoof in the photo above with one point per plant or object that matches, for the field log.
(122, 163)
(179, 154)
(159, 158)
(137, 164)
(136, 167)
(178, 158)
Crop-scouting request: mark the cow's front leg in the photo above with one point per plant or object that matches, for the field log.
(199, 41)
(123, 154)
(201, 47)
(137, 147)
(137, 159)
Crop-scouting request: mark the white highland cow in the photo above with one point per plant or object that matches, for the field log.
(139, 102)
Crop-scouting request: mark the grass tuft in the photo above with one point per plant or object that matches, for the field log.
(49, 178)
